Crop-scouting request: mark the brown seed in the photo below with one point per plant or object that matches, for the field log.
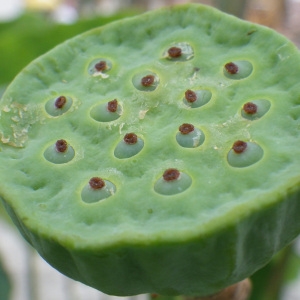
(96, 183)
(174, 52)
(112, 106)
(130, 138)
(61, 146)
(171, 174)
(190, 96)
(60, 102)
(250, 108)
(239, 147)
(186, 128)
(231, 68)
(101, 66)
(147, 80)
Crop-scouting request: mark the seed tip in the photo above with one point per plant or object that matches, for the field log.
(174, 52)
(171, 174)
(239, 147)
(101, 66)
(231, 68)
(130, 138)
(186, 128)
(61, 146)
(112, 106)
(147, 80)
(60, 102)
(250, 108)
(190, 96)
(96, 183)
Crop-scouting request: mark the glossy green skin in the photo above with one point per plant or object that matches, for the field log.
(226, 225)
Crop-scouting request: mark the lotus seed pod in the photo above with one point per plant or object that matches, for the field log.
(97, 189)
(197, 98)
(60, 152)
(116, 194)
(58, 106)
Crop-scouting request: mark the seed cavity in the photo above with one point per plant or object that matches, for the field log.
(61, 146)
(231, 68)
(129, 146)
(190, 96)
(130, 138)
(178, 52)
(243, 154)
(172, 182)
(107, 111)
(146, 81)
(100, 67)
(58, 105)
(174, 52)
(186, 128)
(60, 152)
(197, 97)
(239, 146)
(112, 106)
(96, 183)
(188, 136)
(255, 109)
(60, 102)
(239, 69)
(171, 174)
(97, 189)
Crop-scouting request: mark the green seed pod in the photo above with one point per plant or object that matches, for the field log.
(244, 154)
(189, 137)
(238, 69)
(106, 112)
(145, 81)
(115, 194)
(97, 189)
(58, 106)
(255, 109)
(197, 98)
(172, 182)
(59, 153)
(129, 146)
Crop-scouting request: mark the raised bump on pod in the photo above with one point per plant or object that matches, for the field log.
(255, 109)
(129, 146)
(189, 136)
(106, 112)
(146, 81)
(179, 52)
(60, 152)
(172, 182)
(238, 69)
(58, 105)
(243, 154)
(97, 189)
(197, 97)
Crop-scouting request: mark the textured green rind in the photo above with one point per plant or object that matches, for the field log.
(199, 266)
(226, 225)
